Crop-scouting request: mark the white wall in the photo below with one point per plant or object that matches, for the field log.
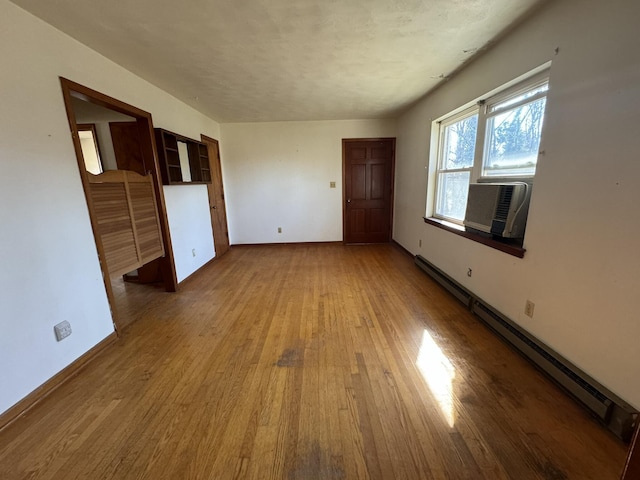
(582, 259)
(278, 175)
(190, 226)
(49, 270)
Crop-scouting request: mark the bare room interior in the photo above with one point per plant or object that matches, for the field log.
(319, 240)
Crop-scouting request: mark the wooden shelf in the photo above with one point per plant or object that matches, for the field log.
(169, 157)
(512, 247)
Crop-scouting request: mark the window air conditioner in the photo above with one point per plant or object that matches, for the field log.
(498, 208)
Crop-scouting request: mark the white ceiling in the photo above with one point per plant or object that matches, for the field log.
(271, 60)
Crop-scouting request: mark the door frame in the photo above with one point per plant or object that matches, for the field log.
(145, 127)
(632, 465)
(345, 141)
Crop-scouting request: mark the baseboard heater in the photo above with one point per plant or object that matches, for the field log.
(617, 415)
(449, 284)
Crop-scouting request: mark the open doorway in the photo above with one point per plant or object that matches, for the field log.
(90, 147)
(122, 187)
(95, 129)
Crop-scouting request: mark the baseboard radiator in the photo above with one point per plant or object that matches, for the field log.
(449, 284)
(617, 415)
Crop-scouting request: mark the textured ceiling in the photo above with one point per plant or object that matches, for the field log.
(270, 60)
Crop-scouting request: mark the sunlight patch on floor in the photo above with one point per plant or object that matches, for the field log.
(439, 373)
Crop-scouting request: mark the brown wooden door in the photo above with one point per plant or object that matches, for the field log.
(216, 198)
(126, 146)
(368, 189)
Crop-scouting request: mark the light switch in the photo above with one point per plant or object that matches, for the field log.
(332, 184)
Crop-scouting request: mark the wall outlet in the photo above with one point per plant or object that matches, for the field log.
(528, 308)
(279, 229)
(332, 184)
(193, 252)
(62, 330)
(469, 272)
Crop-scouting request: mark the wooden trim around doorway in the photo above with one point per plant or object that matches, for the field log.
(145, 127)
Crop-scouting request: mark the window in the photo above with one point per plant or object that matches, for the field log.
(90, 149)
(513, 134)
(455, 163)
(496, 140)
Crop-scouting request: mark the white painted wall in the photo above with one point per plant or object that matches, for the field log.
(582, 257)
(278, 174)
(190, 226)
(49, 266)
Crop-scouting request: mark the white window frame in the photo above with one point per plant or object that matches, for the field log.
(466, 113)
(483, 108)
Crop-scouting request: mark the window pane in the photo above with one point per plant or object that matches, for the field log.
(519, 98)
(513, 138)
(460, 143)
(453, 189)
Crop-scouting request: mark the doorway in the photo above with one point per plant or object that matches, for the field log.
(368, 170)
(74, 96)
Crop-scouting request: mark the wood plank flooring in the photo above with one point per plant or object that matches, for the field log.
(307, 362)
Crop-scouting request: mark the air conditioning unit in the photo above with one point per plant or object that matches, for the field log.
(498, 208)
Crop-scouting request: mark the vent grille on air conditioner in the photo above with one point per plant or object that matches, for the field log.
(504, 202)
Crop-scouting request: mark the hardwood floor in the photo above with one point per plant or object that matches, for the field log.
(307, 362)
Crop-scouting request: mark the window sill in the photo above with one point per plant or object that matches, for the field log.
(504, 246)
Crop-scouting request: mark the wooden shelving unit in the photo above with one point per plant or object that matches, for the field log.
(199, 162)
(169, 157)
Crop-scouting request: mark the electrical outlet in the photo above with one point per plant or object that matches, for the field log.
(279, 229)
(193, 252)
(469, 272)
(62, 330)
(332, 184)
(528, 308)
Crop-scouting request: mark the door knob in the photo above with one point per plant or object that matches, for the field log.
(348, 200)
(213, 207)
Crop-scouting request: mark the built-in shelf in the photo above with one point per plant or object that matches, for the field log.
(194, 169)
